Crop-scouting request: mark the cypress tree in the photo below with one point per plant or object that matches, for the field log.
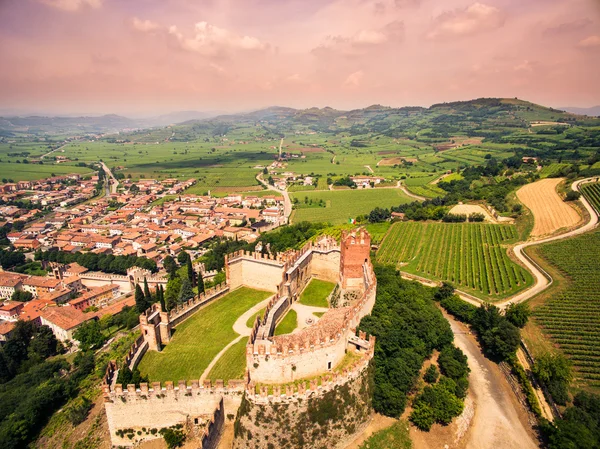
(147, 293)
(186, 291)
(161, 297)
(190, 271)
(140, 299)
(200, 284)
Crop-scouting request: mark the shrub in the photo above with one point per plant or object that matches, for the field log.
(77, 412)
(431, 374)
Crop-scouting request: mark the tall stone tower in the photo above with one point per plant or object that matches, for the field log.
(356, 247)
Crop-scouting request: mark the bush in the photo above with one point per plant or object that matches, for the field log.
(173, 437)
(572, 195)
(423, 417)
(77, 412)
(431, 374)
(441, 401)
(453, 363)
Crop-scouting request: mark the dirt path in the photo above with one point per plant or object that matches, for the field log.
(499, 420)
(378, 422)
(411, 195)
(369, 168)
(242, 330)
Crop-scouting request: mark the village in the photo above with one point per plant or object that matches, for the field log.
(145, 222)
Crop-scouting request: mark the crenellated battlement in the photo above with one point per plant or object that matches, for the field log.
(298, 391)
(169, 389)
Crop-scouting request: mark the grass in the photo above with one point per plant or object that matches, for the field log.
(288, 323)
(473, 257)
(316, 292)
(31, 172)
(341, 205)
(199, 339)
(252, 319)
(318, 314)
(232, 364)
(395, 437)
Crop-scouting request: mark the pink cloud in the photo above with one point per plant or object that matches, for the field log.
(590, 42)
(474, 19)
(73, 5)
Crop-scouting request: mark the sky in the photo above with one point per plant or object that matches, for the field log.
(150, 57)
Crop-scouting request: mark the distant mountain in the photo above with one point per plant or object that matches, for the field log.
(66, 125)
(592, 112)
(177, 117)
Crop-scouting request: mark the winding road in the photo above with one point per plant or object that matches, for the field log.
(287, 203)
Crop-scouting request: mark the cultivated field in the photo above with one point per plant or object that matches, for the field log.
(232, 363)
(32, 172)
(550, 212)
(471, 256)
(571, 318)
(592, 193)
(200, 338)
(340, 205)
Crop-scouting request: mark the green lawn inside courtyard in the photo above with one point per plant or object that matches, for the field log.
(252, 319)
(200, 338)
(232, 364)
(316, 292)
(288, 323)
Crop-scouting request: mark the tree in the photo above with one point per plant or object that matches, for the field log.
(445, 291)
(190, 271)
(572, 195)
(89, 335)
(501, 341)
(21, 296)
(518, 314)
(147, 294)
(43, 345)
(172, 292)
(431, 374)
(170, 266)
(186, 292)
(140, 300)
(556, 372)
(161, 298)
(183, 257)
(200, 284)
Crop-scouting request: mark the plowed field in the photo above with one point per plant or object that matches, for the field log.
(550, 212)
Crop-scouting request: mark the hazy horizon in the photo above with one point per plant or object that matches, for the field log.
(144, 58)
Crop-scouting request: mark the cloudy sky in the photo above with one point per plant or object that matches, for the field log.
(143, 57)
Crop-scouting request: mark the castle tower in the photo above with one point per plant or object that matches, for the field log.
(355, 251)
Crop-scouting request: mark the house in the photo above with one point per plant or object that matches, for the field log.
(6, 328)
(96, 296)
(64, 320)
(9, 283)
(10, 311)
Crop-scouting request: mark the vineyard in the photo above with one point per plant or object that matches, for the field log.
(571, 318)
(592, 193)
(471, 256)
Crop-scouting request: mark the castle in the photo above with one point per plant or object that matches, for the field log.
(276, 365)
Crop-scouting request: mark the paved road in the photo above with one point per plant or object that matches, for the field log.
(287, 203)
(114, 183)
(50, 152)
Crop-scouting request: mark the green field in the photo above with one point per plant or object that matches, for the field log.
(471, 256)
(394, 437)
(252, 319)
(200, 338)
(288, 323)
(232, 364)
(592, 194)
(316, 292)
(32, 172)
(571, 318)
(341, 205)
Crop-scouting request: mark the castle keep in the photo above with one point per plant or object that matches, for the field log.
(275, 364)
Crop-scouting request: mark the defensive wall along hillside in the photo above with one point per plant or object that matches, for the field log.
(328, 351)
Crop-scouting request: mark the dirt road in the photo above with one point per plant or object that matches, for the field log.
(411, 195)
(499, 421)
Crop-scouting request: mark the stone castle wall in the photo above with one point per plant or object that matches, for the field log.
(264, 273)
(328, 415)
(158, 406)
